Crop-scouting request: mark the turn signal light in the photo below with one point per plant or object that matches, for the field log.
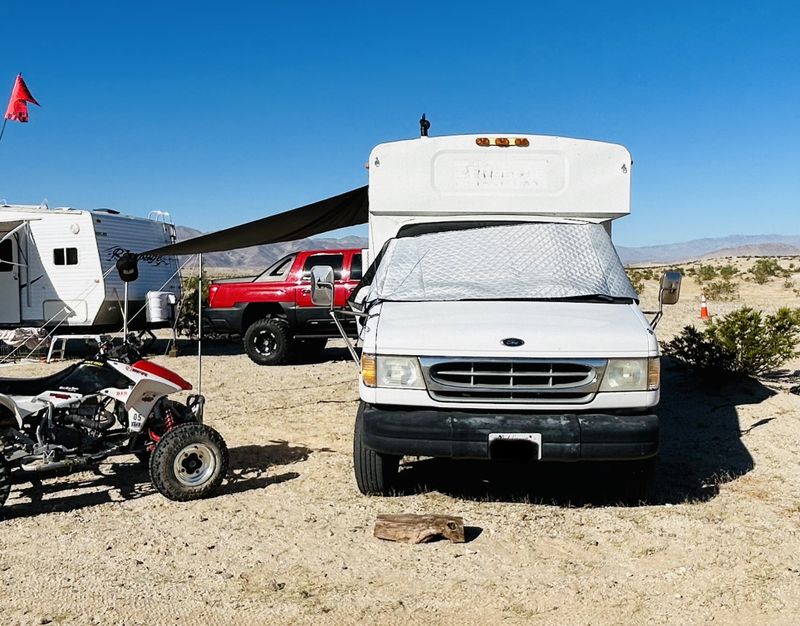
(483, 141)
(503, 142)
(368, 369)
(653, 373)
(522, 142)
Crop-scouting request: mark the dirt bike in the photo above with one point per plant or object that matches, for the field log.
(115, 404)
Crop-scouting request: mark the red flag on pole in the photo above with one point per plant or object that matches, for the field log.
(18, 103)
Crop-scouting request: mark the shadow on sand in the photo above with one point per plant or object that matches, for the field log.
(234, 346)
(126, 479)
(701, 448)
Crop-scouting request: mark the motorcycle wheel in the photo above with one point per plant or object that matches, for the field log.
(189, 462)
(5, 480)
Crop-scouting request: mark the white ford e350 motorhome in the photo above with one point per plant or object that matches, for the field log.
(496, 318)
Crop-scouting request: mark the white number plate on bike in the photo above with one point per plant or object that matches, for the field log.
(135, 421)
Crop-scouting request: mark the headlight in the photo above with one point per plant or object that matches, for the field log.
(399, 372)
(631, 375)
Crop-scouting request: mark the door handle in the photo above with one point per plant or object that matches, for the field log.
(305, 292)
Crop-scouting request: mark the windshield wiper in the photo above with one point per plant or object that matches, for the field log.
(595, 297)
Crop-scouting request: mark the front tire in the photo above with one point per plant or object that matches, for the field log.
(376, 473)
(189, 462)
(268, 341)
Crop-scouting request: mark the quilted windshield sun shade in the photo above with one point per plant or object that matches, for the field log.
(537, 261)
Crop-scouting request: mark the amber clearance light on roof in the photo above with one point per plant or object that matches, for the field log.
(502, 142)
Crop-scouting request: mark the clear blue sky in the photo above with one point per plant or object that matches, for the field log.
(225, 112)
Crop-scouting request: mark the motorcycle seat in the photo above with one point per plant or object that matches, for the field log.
(34, 386)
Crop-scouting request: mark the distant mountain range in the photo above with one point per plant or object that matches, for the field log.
(732, 245)
(259, 257)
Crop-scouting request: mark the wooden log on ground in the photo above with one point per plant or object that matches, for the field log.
(419, 528)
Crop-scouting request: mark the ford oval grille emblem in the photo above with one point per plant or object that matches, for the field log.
(512, 342)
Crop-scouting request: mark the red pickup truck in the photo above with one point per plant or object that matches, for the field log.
(273, 311)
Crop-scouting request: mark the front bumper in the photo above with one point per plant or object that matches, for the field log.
(465, 434)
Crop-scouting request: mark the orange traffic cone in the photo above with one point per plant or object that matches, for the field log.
(703, 307)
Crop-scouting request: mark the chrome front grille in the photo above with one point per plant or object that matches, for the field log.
(573, 381)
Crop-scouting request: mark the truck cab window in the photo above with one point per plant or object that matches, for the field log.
(355, 268)
(278, 271)
(336, 261)
(65, 256)
(6, 256)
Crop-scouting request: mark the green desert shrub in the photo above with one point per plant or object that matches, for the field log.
(727, 272)
(722, 290)
(764, 269)
(744, 342)
(706, 273)
(187, 315)
(637, 279)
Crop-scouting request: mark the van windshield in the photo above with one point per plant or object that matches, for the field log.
(524, 261)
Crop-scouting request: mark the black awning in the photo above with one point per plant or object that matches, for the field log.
(348, 209)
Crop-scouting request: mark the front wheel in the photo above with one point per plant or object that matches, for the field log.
(189, 462)
(376, 473)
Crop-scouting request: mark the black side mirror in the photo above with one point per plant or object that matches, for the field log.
(128, 267)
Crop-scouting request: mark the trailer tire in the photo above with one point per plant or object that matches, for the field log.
(376, 473)
(268, 341)
(189, 462)
(5, 480)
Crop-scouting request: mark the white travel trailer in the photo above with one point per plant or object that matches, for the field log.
(498, 321)
(57, 267)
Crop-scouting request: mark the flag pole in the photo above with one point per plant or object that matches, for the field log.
(3, 127)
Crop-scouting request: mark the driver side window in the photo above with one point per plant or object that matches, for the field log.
(336, 261)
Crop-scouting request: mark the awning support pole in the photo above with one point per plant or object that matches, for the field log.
(125, 313)
(200, 324)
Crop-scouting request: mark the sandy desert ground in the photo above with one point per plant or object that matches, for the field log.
(289, 538)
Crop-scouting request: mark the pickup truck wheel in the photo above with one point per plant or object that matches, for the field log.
(376, 473)
(268, 341)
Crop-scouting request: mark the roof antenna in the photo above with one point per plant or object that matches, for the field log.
(424, 125)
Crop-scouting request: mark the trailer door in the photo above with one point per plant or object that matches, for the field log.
(9, 277)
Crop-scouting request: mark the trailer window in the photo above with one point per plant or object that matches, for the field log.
(336, 261)
(65, 256)
(6, 256)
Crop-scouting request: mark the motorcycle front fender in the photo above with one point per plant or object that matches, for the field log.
(142, 398)
(9, 403)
